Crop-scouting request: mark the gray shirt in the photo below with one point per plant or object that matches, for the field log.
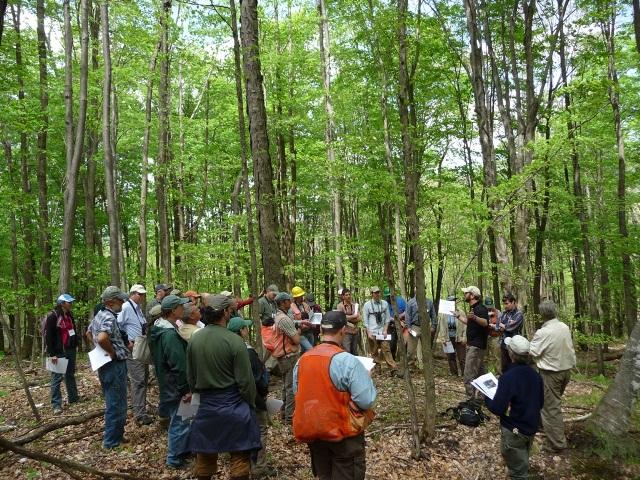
(374, 311)
(412, 317)
(105, 321)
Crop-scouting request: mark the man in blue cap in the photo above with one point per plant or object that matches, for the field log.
(61, 340)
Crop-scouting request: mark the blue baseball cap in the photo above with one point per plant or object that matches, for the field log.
(65, 297)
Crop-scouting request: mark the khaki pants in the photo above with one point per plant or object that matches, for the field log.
(412, 343)
(473, 368)
(380, 346)
(260, 464)
(286, 365)
(554, 386)
(207, 465)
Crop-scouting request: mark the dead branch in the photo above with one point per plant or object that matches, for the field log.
(578, 419)
(62, 463)
(402, 426)
(55, 425)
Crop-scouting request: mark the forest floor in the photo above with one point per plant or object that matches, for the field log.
(455, 452)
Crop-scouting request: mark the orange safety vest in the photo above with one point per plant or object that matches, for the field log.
(322, 411)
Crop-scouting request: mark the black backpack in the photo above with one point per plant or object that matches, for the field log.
(467, 413)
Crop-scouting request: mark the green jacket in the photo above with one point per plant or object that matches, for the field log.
(170, 361)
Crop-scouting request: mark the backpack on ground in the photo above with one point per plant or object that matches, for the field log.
(467, 413)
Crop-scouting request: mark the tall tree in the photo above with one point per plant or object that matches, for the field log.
(163, 144)
(329, 134)
(76, 145)
(262, 168)
(109, 159)
(412, 173)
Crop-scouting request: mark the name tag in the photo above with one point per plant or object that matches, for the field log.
(72, 332)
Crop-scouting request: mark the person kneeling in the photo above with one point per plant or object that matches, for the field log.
(334, 395)
(518, 401)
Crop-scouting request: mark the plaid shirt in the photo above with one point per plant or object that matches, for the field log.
(105, 321)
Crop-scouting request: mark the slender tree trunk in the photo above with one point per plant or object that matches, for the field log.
(163, 145)
(107, 146)
(412, 171)
(14, 323)
(329, 134)
(263, 172)
(29, 268)
(628, 278)
(144, 182)
(73, 162)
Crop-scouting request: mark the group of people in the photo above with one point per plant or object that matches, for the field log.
(200, 344)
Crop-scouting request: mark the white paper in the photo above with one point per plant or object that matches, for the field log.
(446, 306)
(487, 384)
(71, 332)
(385, 338)
(316, 319)
(189, 409)
(273, 406)
(200, 324)
(413, 332)
(448, 347)
(367, 362)
(59, 367)
(355, 308)
(98, 357)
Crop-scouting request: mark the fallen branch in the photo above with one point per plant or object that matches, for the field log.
(402, 426)
(55, 425)
(578, 419)
(62, 463)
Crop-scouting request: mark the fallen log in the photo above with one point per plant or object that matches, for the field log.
(62, 463)
(56, 424)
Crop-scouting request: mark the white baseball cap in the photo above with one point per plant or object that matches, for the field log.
(517, 344)
(473, 290)
(137, 288)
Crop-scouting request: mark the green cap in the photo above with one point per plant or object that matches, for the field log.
(237, 323)
(218, 302)
(155, 312)
(488, 302)
(282, 296)
(386, 292)
(113, 293)
(170, 302)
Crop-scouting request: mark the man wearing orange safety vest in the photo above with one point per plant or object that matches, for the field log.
(334, 395)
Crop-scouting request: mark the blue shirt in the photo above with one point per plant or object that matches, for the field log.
(402, 305)
(519, 399)
(131, 319)
(348, 375)
(412, 317)
(512, 321)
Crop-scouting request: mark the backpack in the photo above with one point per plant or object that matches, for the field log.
(467, 413)
(43, 323)
(274, 340)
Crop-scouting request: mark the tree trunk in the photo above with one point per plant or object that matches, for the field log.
(163, 145)
(142, 264)
(107, 146)
(73, 162)
(612, 416)
(412, 171)
(29, 267)
(628, 278)
(242, 133)
(263, 172)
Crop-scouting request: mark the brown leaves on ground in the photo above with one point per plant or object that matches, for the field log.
(455, 452)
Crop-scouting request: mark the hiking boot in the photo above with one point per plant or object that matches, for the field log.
(57, 410)
(144, 420)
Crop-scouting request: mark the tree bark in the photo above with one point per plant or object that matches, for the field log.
(77, 145)
(263, 172)
(163, 144)
(329, 134)
(412, 171)
(144, 181)
(628, 278)
(107, 146)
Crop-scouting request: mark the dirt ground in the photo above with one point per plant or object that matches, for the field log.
(455, 452)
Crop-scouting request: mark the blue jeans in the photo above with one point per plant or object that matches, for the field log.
(177, 437)
(113, 378)
(305, 344)
(69, 381)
